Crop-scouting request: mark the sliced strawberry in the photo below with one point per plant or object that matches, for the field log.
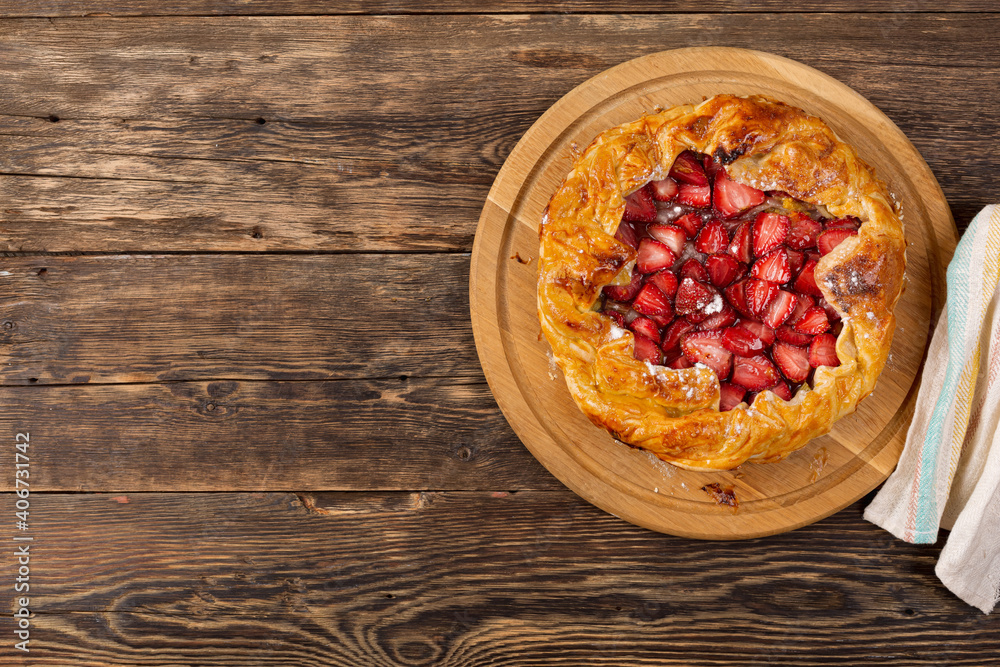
(780, 308)
(672, 336)
(802, 304)
(806, 282)
(687, 169)
(795, 260)
(722, 269)
(666, 280)
(789, 335)
(802, 232)
(741, 248)
(783, 391)
(624, 292)
(741, 341)
(647, 350)
(694, 296)
(680, 361)
(812, 322)
(760, 293)
(712, 239)
(823, 351)
(669, 235)
(698, 196)
(754, 373)
(719, 320)
(742, 271)
(711, 167)
(772, 267)
(792, 361)
(663, 319)
(664, 190)
(831, 312)
(697, 317)
(652, 302)
(759, 329)
(842, 223)
(705, 347)
(690, 223)
(737, 298)
(654, 256)
(639, 206)
(832, 238)
(626, 234)
(732, 198)
(646, 327)
(769, 231)
(730, 395)
(618, 318)
(693, 269)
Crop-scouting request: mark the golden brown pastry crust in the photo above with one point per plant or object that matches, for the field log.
(674, 413)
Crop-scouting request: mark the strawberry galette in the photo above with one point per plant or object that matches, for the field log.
(717, 282)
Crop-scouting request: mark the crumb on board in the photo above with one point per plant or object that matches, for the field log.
(553, 366)
(817, 464)
(722, 496)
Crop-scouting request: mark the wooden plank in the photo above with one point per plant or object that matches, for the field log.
(385, 139)
(222, 184)
(393, 434)
(467, 578)
(72, 8)
(459, 67)
(131, 318)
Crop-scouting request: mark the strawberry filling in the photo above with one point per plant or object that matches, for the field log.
(725, 278)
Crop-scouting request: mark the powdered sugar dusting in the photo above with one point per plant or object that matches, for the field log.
(666, 470)
(659, 372)
(715, 306)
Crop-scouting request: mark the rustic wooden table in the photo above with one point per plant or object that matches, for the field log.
(235, 328)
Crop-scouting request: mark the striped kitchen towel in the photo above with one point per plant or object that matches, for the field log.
(949, 473)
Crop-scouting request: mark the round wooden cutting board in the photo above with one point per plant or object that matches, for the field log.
(830, 472)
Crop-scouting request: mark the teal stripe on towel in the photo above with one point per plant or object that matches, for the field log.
(960, 271)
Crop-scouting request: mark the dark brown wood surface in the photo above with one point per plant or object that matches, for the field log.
(458, 578)
(235, 323)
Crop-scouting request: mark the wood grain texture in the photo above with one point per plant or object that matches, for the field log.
(131, 318)
(392, 434)
(469, 579)
(236, 184)
(76, 8)
(384, 133)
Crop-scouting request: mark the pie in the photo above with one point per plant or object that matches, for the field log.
(717, 282)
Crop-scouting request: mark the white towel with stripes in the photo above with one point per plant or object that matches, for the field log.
(949, 473)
